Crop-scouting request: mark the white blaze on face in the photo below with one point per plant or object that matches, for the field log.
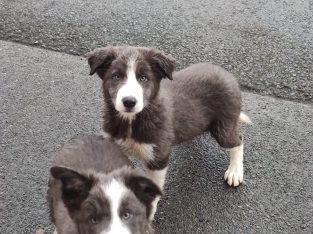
(131, 88)
(115, 191)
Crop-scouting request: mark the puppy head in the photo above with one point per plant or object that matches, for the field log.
(118, 203)
(131, 75)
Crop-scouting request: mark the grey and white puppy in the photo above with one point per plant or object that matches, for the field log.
(94, 190)
(146, 114)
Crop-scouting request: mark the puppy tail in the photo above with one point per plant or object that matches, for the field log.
(244, 118)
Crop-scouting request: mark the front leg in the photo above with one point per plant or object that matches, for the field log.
(157, 175)
(157, 170)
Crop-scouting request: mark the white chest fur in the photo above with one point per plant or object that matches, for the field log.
(137, 150)
(134, 149)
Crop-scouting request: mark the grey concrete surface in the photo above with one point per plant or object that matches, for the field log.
(47, 97)
(267, 44)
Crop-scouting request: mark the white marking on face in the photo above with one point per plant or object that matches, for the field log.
(158, 177)
(132, 148)
(131, 88)
(234, 173)
(115, 191)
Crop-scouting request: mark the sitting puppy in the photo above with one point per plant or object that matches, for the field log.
(146, 117)
(93, 190)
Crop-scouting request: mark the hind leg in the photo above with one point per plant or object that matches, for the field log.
(229, 137)
(234, 173)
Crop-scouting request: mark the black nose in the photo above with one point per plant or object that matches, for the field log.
(129, 101)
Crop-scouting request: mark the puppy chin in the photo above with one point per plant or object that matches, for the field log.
(126, 113)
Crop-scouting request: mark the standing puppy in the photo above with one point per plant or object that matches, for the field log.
(93, 190)
(146, 117)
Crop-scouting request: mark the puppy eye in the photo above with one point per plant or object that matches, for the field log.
(116, 77)
(94, 220)
(126, 215)
(143, 78)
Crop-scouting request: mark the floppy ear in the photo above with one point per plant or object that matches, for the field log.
(144, 189)
(163, 64)
(100, 59)
(75, 186)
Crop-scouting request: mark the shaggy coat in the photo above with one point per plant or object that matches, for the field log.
(201, 98)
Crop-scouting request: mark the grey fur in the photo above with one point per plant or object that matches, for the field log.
(79, 170)
(201, 98)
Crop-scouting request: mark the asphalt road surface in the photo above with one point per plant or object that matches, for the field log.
(267, 44)
(47, 97)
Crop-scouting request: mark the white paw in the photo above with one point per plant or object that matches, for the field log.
(234, 174)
